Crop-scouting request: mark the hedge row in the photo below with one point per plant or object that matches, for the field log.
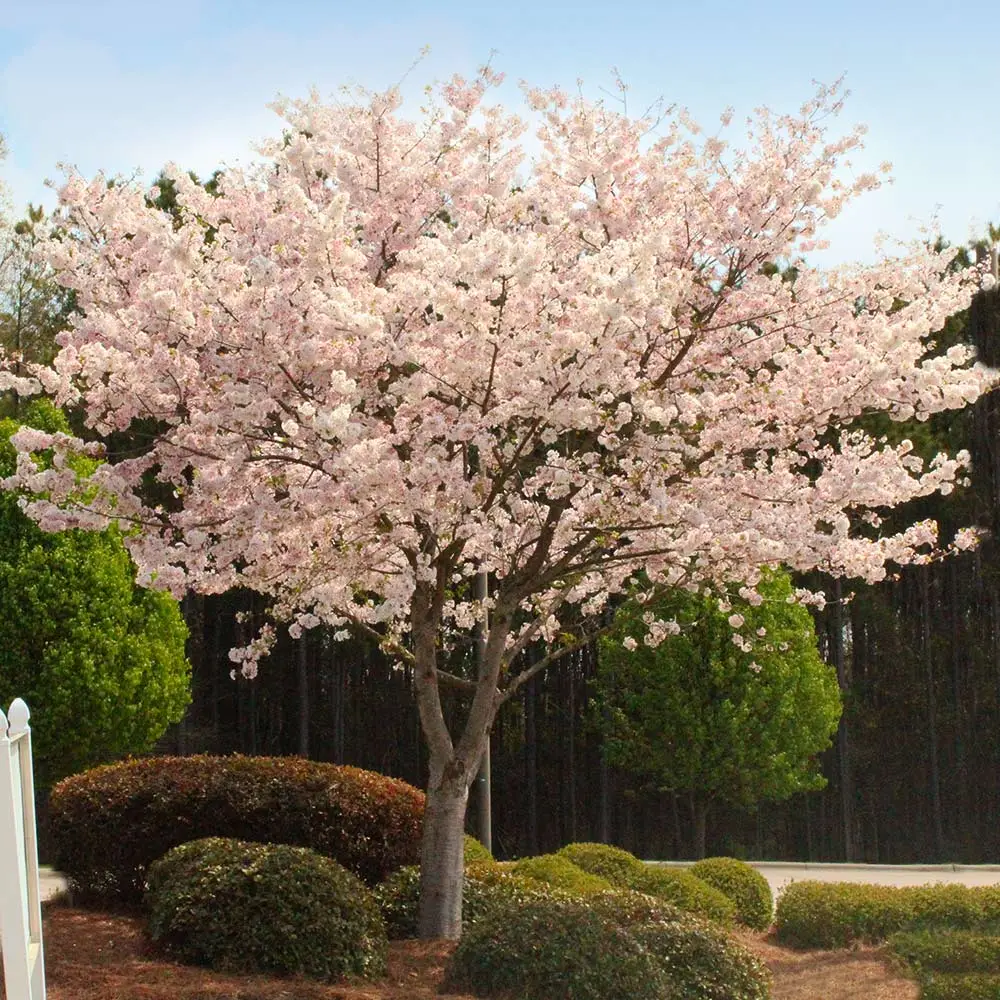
(956, 951)
(838, 914)
(109, 824)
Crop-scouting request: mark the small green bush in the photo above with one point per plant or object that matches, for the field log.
(837, 914)
(244, 907)
(108, 824)
(686, 891)
(485, 887)
(543, 949)
(561, 873)
(742, 884)
(476, 852)
(702, 963)
(951, 986)
(954, 951)
(673, 885)
(613, 863)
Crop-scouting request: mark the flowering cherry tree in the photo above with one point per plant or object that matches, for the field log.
(402, 354)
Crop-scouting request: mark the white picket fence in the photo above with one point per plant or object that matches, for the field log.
(20, 902)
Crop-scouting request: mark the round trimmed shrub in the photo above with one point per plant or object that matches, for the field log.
(486, 886)
(613, 863)
(685, 891)
(561, 873)
(107, 825)
(742, 884)
(476, 852)
(243, 907)
(673, 885)
(701, 961)
(554, 948)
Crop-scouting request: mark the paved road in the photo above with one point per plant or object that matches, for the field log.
(779, 873)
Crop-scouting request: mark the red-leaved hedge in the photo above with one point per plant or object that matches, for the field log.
(108, 824)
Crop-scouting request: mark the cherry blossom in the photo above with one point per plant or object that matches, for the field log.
(401, 354)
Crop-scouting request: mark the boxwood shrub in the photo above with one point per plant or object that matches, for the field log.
(486, 886)
(476, 852)
(956, 986)
(612, 863)
(953, 951)
(673, 885)
(686, 891)
(700, 960)
(243, 907)
(741, 883)
(561, 873)
(837, 914)
(109, 823)
(544, 949)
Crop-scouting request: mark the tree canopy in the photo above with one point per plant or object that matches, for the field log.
(100, 661)
(408, 357)
(702, 715)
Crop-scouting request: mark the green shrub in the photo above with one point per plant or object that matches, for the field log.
(837, 914)
(950, 986)
(245, 907)
(485, 886)
(108, 824)
(673, 885)
(954, 951)
(616, 865)
(561, 873)
(702, 962)
(686, 891)
(742, 884)
(543, 949)
(476, 852)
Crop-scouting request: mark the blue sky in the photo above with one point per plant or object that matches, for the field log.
(117, 85)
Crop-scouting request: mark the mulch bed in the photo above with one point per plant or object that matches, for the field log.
(99, 956)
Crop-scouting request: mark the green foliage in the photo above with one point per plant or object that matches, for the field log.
(542, 949)
(685, 891)
(99, 661)
(700, 960)
(108, 824)
(486, 886)
(955, 951)
(702, 963)
(559, 872)
(244, 907)
(742, 884)
(838, 914)
(476, 852)
(696, 714)
(952, 986)
(672, 885)
(612, 863)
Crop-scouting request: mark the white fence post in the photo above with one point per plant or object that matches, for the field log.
(20, 901)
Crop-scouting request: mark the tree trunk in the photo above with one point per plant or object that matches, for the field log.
(441, 859)
(303, 685)
(699, 811)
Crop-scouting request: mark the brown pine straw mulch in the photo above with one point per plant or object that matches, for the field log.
(98, 956)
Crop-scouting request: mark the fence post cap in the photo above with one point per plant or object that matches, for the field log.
(17, 717)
